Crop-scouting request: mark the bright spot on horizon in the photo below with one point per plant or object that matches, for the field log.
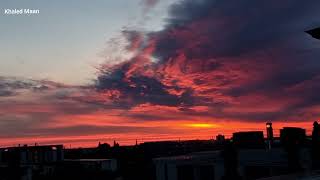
(202, 125)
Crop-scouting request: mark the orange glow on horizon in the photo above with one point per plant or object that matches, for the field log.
(128, 131)
(202, 125)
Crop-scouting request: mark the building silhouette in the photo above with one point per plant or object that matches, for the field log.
(22, 162)
(314, 33)
(249, 139)
(248, 156)
(292, 139)
(220, 138)
(315, 146)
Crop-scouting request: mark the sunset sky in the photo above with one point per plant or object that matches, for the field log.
(83, 72)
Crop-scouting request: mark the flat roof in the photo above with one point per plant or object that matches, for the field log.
(249, 153)
(26, 147)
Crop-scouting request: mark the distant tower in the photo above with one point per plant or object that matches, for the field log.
(269, 134)
(269, 131)
(115, 144)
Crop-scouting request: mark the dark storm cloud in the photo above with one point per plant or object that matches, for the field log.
(139, 89)
(217, 52)
(235, 27)
(278, 81)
